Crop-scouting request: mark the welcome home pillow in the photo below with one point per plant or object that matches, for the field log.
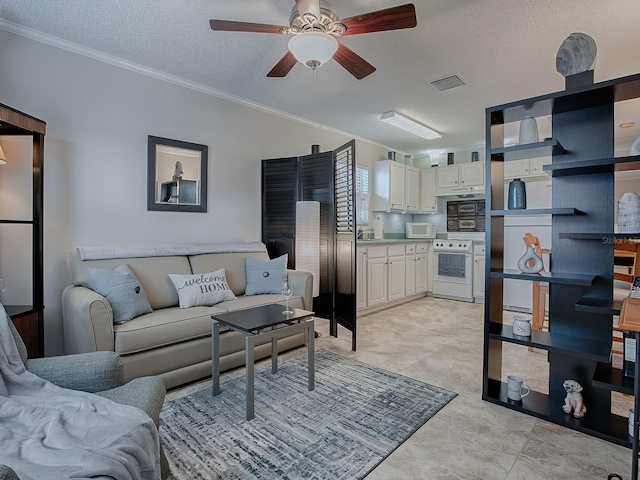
(265, 277)
(122, 290)
(202, 289)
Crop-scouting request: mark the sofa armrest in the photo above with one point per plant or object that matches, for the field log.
(302, 283)
(87, 321)
(90, 372)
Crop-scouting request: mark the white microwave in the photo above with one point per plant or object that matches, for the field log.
(420, 230)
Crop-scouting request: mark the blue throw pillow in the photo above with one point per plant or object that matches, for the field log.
(122, 290)
(265, 277)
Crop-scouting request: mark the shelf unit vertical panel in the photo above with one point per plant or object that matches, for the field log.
(585, 134)
(494, 235)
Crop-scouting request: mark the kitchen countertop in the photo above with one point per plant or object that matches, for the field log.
(395, 240)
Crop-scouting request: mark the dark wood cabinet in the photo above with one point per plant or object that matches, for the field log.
(29, 318)
(582, 166)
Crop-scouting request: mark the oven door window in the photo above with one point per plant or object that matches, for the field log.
(452, 265)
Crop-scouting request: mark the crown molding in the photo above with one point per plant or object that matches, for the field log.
(134, 67)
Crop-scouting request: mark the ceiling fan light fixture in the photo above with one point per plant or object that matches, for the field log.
(408, 125)
(313, 48)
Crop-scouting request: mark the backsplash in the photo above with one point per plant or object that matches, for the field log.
(465, 216)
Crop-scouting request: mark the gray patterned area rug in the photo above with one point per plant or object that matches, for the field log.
(356, 416)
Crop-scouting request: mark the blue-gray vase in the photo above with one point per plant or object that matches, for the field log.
(517, 199)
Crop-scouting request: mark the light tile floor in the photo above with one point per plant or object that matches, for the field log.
(440, 342)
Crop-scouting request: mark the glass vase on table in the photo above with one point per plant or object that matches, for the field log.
(286, 293)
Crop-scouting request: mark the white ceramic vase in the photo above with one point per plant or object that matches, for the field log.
(530, 255)
(629, 213)
(528, 130)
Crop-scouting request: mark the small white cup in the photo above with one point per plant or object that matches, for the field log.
(516, 388)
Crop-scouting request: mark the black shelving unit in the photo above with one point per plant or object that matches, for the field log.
(29, 319)
(582, 166)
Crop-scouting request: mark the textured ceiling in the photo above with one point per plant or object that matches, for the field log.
(504, 49)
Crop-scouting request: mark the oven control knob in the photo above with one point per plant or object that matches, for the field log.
(450, 245)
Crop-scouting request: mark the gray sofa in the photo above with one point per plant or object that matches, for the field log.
(171, 342)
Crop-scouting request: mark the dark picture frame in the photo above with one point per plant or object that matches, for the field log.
(176, 175)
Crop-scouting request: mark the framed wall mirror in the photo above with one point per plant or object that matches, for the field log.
(176, 175)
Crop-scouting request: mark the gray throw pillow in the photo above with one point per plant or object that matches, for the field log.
(122, 290)
(265, 277)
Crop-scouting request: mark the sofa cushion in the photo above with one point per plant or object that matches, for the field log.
(122, 290)
(233, 264)
(152, 272)
(265, 277)
(202, 288)
(163, 327)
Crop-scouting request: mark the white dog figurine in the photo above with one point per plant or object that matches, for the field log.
(573, 401)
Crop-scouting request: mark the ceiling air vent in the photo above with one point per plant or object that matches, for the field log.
(447, 83)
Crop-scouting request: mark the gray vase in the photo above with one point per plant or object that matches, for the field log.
(517, 199)
(530, 255)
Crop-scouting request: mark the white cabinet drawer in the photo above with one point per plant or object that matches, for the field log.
(409, 249)
(376, 252)
(394, 250)
(421, 248)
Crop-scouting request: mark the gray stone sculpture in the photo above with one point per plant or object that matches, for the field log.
(577, 54)
(177, 172)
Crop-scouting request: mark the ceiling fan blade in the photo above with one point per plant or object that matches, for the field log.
(355, 64)
(308, 6)
(231, 26)
(394, 18)
(284, 66)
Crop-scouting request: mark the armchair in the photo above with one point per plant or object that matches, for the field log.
(101, 373)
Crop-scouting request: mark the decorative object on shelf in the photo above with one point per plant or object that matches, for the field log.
(522, 325)
(629, 213)
(450, 158)
(528, 131)
(391, 156)
(631, 420)
(475, 156)
(635, 147)
(408, 160)
(378, 229)
(517, 199)
(516, 388)
(576, 54)
(530, 262)
(573, 400)
(178, 171)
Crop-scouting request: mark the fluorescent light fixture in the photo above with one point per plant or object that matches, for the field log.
(394, 118)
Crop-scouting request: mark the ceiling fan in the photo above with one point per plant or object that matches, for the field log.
(314, 26)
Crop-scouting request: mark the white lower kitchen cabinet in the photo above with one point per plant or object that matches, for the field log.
(397, 275)
(376, 276)
(410, 270)
(390, 273)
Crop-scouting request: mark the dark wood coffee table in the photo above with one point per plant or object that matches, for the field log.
(258, 324)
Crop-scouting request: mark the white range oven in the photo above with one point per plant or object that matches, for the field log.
(453, 269)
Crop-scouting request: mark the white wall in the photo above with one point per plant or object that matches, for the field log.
(98, 118)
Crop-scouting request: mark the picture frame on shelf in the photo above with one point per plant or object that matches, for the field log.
(176, 175)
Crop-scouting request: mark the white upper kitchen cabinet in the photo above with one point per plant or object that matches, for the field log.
(412, 188)
(460, 178)
(428, 200)
(388, 186)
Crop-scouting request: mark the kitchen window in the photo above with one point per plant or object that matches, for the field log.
(362, 195)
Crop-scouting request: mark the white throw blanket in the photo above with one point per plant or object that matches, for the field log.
(49, 432)
(160, 250)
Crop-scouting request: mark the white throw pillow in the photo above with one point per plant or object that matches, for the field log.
(202, 288)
